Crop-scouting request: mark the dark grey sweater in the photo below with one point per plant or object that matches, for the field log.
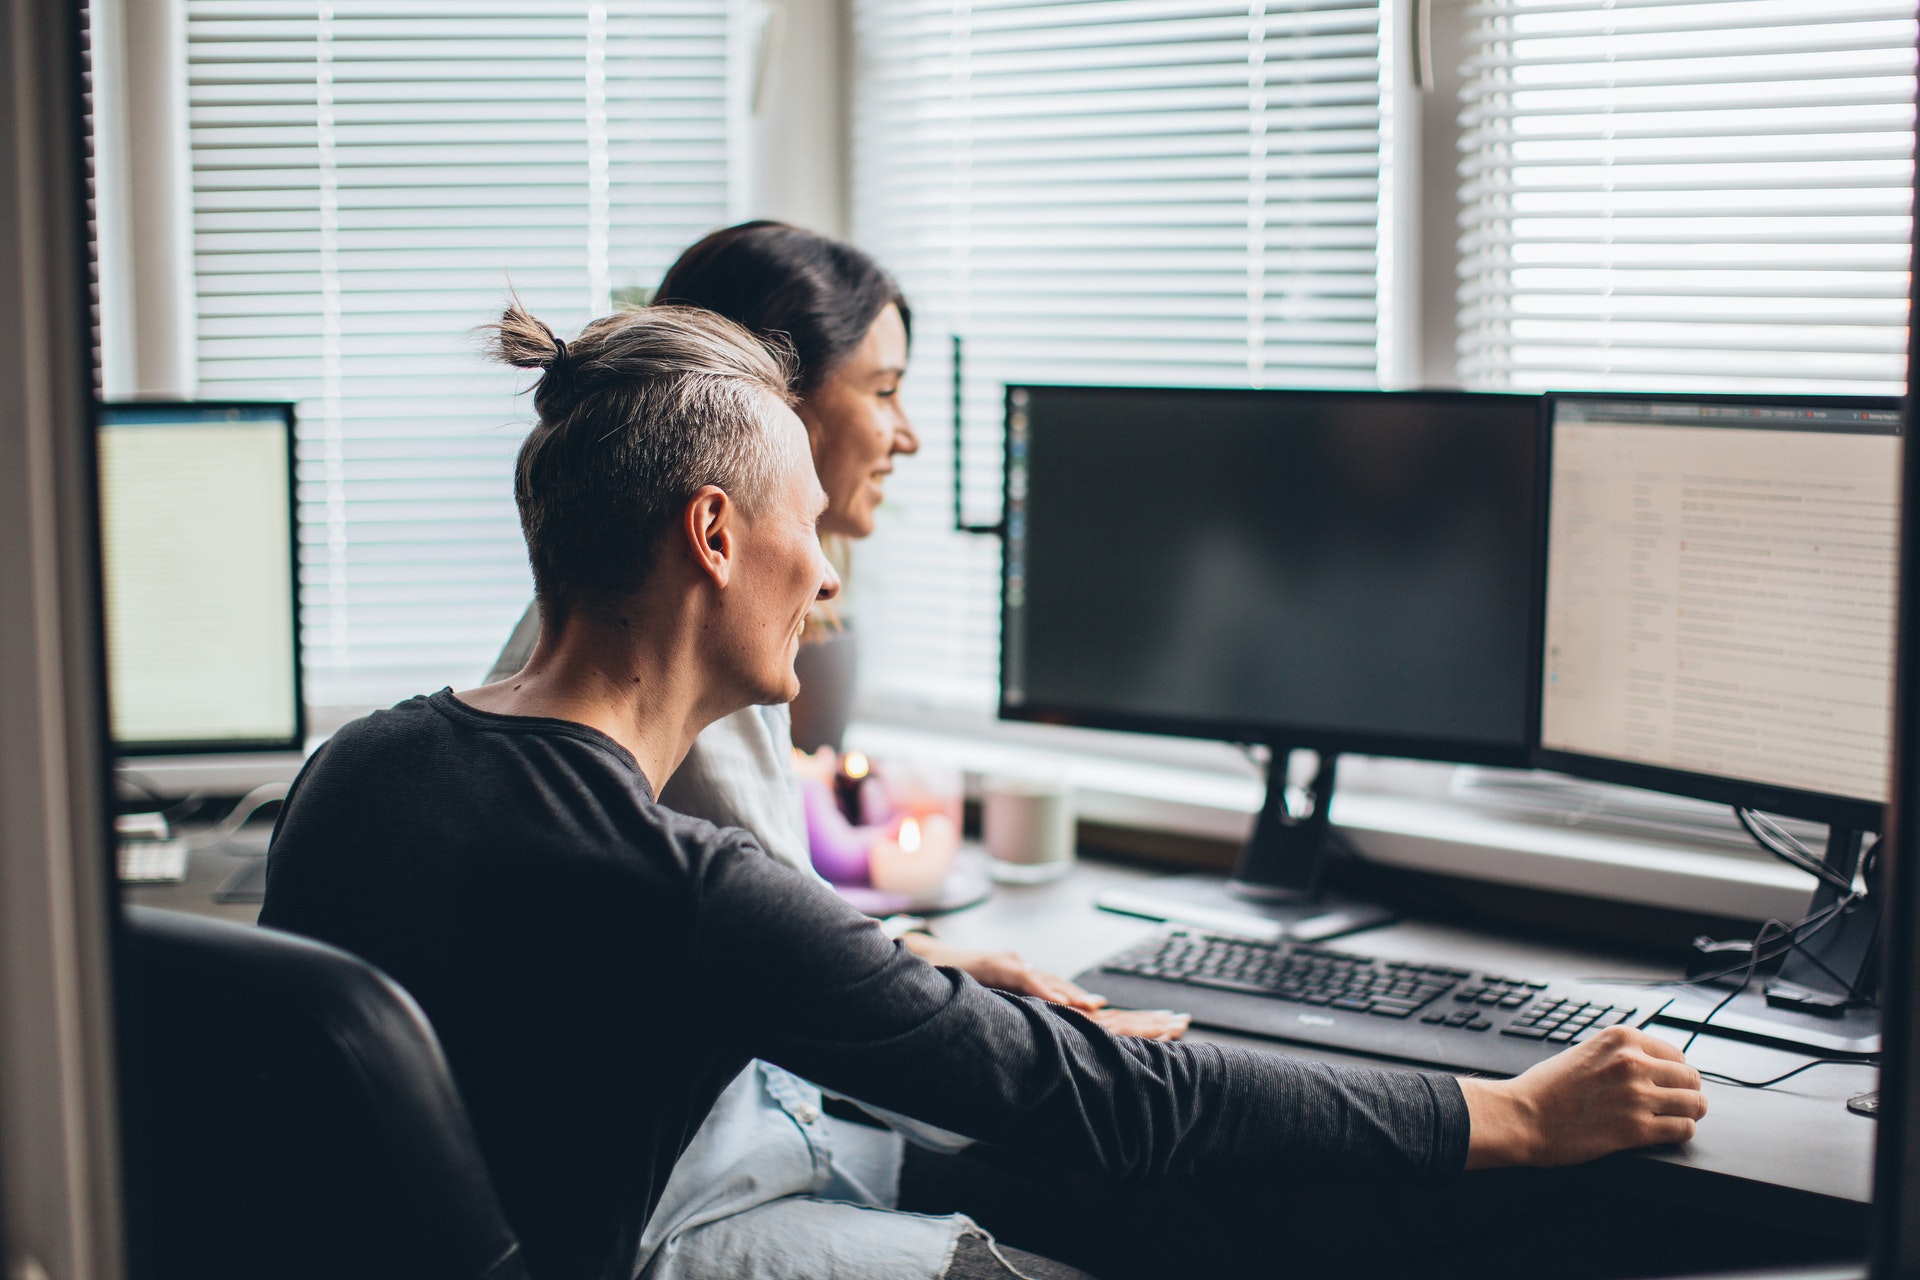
(598, 968)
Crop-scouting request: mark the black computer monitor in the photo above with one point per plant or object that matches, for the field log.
(1346, 571)
(200, 556)
(1720, 598)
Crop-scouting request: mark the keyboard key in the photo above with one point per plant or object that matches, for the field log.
(1348, 1002)
(1434, 1018)
(1525, 1033)
(1560, 1037)
(1227, 984)
(1388, 1011)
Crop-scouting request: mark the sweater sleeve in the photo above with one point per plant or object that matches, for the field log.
(803, 980)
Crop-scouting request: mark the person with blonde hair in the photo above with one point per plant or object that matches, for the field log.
(847, 328)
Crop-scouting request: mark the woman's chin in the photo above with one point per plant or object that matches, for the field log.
(855, 521)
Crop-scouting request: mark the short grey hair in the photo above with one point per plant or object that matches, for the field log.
(636, 414)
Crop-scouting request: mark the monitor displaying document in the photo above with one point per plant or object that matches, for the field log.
(200, 575)
(1720, 598)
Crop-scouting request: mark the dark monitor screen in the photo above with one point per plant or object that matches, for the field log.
(200, 571)
(1720, 598)
(1342, 570)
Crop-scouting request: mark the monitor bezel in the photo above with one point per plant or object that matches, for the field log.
(1313, 737)
(1815, 806)
(297, 740)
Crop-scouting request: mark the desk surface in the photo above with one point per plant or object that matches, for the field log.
(1797, 1138)
(1794, 1148)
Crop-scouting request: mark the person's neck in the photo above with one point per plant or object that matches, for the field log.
(639, 680)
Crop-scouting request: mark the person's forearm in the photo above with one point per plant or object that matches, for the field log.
(1502, 1129)
(830, 997)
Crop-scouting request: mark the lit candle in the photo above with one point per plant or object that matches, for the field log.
(854, 768)
(915, 858)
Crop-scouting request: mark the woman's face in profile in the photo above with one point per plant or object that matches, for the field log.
(856, 424)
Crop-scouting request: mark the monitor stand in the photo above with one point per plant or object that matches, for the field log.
(1275, 890)
(1821, 998)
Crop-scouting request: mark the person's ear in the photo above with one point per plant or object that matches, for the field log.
(710, 527)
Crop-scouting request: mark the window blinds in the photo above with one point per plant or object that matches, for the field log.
(1686, 195)
(1109, 191)
(370, 180)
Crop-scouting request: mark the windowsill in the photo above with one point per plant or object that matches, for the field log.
(234, 774)
(1402, 813)
(1407, 814)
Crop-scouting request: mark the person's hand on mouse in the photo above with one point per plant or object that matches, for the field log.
(1006, 971)
(1620, 1089)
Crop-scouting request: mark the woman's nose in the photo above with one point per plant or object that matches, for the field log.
(904, 438)
(829, 584)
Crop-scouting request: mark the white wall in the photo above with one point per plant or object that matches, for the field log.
(797, 126)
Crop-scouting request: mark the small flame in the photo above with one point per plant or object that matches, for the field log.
(910, 836)
(855, 765)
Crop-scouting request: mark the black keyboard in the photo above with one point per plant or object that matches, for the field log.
(1435, 1014)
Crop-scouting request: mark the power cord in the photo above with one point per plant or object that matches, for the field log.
(251, 803)
(1717, 1078)
(1799, 932)
(1752, 966)
(1780, 842)
(145, 785)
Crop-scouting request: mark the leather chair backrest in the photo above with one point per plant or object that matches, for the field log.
(290, 1114)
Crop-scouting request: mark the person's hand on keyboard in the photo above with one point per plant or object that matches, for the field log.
(1006, 971)
(1619, 1089)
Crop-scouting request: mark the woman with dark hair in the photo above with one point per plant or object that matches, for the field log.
(772, 1185)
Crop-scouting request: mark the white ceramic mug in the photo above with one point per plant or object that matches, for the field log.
(1028, 824)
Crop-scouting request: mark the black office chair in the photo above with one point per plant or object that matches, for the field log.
(290, 1115)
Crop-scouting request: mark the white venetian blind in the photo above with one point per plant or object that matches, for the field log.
(1687, 195)
(370, 178)
(1178, 192)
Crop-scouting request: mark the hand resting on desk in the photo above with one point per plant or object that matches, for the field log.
(1618, 1090)
(1006, 971)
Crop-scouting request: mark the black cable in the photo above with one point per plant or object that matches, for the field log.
(1753, 965)
(145, 785)
(1795, 855)
(1801, 930)
(1717, 1078)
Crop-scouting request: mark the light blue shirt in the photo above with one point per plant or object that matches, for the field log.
(773, 1188)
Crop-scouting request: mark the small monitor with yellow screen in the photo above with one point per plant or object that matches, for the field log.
(201, 584)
